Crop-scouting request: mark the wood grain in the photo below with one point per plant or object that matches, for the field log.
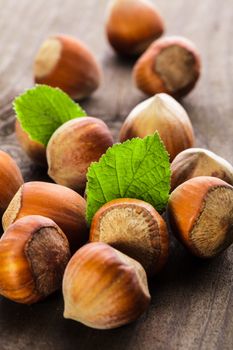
(192, 301)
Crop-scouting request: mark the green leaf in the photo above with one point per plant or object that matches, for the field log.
(42, 109)
(137, 168)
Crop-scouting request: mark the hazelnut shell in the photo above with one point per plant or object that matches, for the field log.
(129, 36)
(171, 65)
(164, 114)
(34, 253)
(136, 229)
(73, 147)
(65, 62)
(195, 162)
(10, 180)
(200, 213)
(104, 288)
(35, 150)
(61, 204)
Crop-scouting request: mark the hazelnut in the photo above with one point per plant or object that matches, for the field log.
(195, 162)
(73, 147)
(61, 204)
(10, 180)
(104, 288)
(136, 229)
(132, 25)
(200, 213)
(163, 114)
(35, 150)
(67, 63)
(33, 252)
(170, 65)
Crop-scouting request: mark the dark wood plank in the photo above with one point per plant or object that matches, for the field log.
(192, 301)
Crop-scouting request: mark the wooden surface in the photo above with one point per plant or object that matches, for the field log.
(192, 301)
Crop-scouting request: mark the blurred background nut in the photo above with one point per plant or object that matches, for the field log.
(104, 288)
(73, 147)
(136, 229)
(10, 180)
(200, 213)
(171, 65)
(132, 25)
(64, 62)
(33, 252)
(164, 114)
(195, 162)
(61, 204)
(35, 150)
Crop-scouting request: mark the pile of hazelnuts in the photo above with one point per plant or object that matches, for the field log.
(105, 281)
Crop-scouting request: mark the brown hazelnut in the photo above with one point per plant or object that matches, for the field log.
(35, 150)
(10, 180)
(61, 204)
(195, 162)
(104, 288)
(64, 62)
(164, 114)
(132, 25)
(170, 65)
(200, 213)
(73, 147)
(136, 229)
(33, 252)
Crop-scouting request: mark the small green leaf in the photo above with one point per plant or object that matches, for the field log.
(42, 109)
(137, 168)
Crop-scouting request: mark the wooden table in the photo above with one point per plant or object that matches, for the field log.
(192, 301)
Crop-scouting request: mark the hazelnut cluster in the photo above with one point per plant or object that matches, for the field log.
(105, 281)
(168, 64)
